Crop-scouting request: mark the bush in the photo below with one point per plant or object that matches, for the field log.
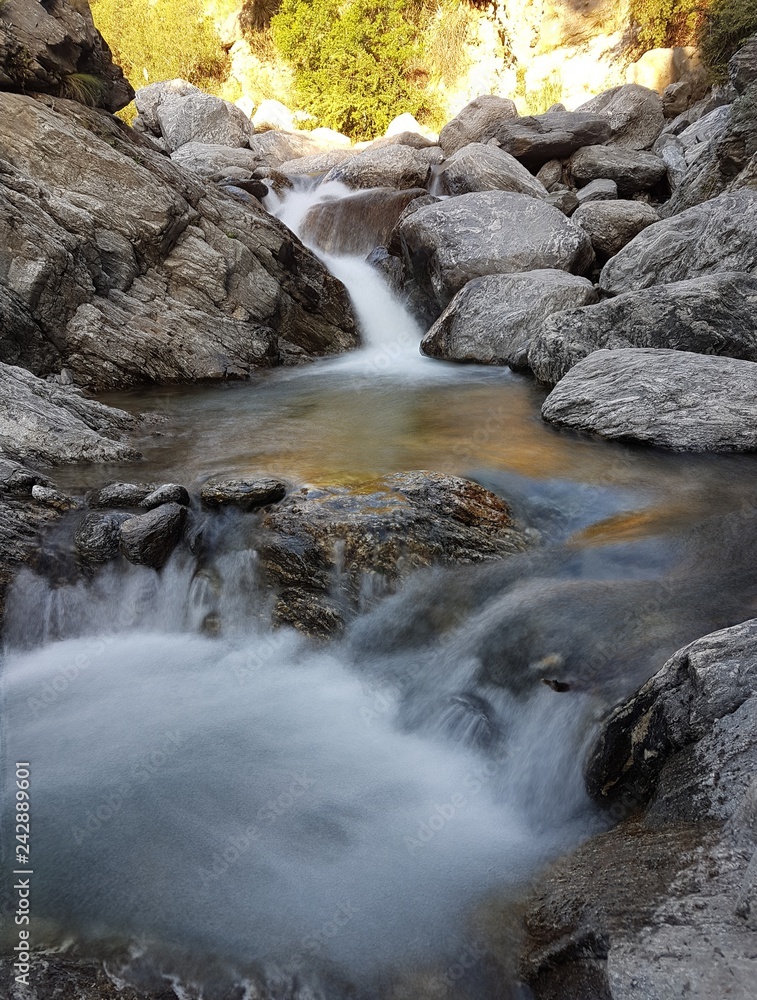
(357, 63)
(661, 23)
(725, 28)
(156, 40)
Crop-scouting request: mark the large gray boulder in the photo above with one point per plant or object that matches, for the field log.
(551, 136)
(631, 169)
(386, 166)
(719, 235)
(635, 114)
(48, 48)
(716, 314)
(55, 424)
(202, 118)
(148, 100)
(315, 164)
(612, 224)
(479, 167)
(491, 232)
(210, 159)
(492, 320)
(672, 399)
(477, 122)
(275, 147)
(132, 270)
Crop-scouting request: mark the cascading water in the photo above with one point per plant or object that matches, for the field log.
(216, 801)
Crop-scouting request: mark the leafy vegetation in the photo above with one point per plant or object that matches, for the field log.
(162, 39)
(84, 88)
(726, 27)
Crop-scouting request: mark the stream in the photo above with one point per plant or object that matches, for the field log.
(361, 817)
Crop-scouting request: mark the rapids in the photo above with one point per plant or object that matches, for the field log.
(259, 808)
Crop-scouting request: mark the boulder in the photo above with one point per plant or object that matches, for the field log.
(275, 147)
(55, 424)
(566, 201)
(98, 537)
(491, 232)
(315, 163)
(271, 114)
(612, 224)
(350, 542)
(716, 314)
(148, 100)
(477, 167)
(719, 235)
(632, 171)
(120, 495)
(405, 139)
(676, 98)
(135, 271)
(672, 399)
(492, 320)
(635, 115)
(551, 136)
(598, 190)
(167, 493)
(392, 166)
(359, 223)
(149, 539)
(550, 174)
(56, 49)
(209, 159)
(202, 118)
(247, 494)
(477, 122)
(55, 498)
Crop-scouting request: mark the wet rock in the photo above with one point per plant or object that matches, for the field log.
(54, 498)
(315, 163)
(358, 224)
(51, 423)
(613, 224)
(672, 399)
(492, 320)
(477, 122)
(97, 538)
(492, 232)
(399, 167)
(716, 314)
(354, 544)
(167, 493)
(478, 167)
(601, 189)
(200, 117)
(312, 614)
(632, 171)
(635, 115)
(551, 136)
(120, 495)
(42, 46)
(719, 235)
(247, 494)
(136, 272)
(149, 539)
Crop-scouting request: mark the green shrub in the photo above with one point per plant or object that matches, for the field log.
(725, 28)
(161, 40)
(661, 23)
(357, 63)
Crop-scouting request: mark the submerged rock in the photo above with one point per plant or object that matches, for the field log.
(716, 314)
(673, 399)
(492, 320)
(492, 232)
(353, 544)
(246, 494)
(149, 539)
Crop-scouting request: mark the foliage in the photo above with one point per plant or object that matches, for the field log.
(726, 27)
(84, 88)
(161, 40)
(256, 15)
(661, 23)
(357, 63)
(443, 50)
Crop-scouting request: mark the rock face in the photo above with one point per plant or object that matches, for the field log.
(357, 224)
(673, 399)
(349, 544)
(719, 235)
(130, 270)
(48, 48)
(492, 232)
(478, 167)
(716, 314)
(393, 166)
(554, 135)
(477, 122)
(631, 170)
(613, 224)
(54, 424)
(493, 320)
(635, 115)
